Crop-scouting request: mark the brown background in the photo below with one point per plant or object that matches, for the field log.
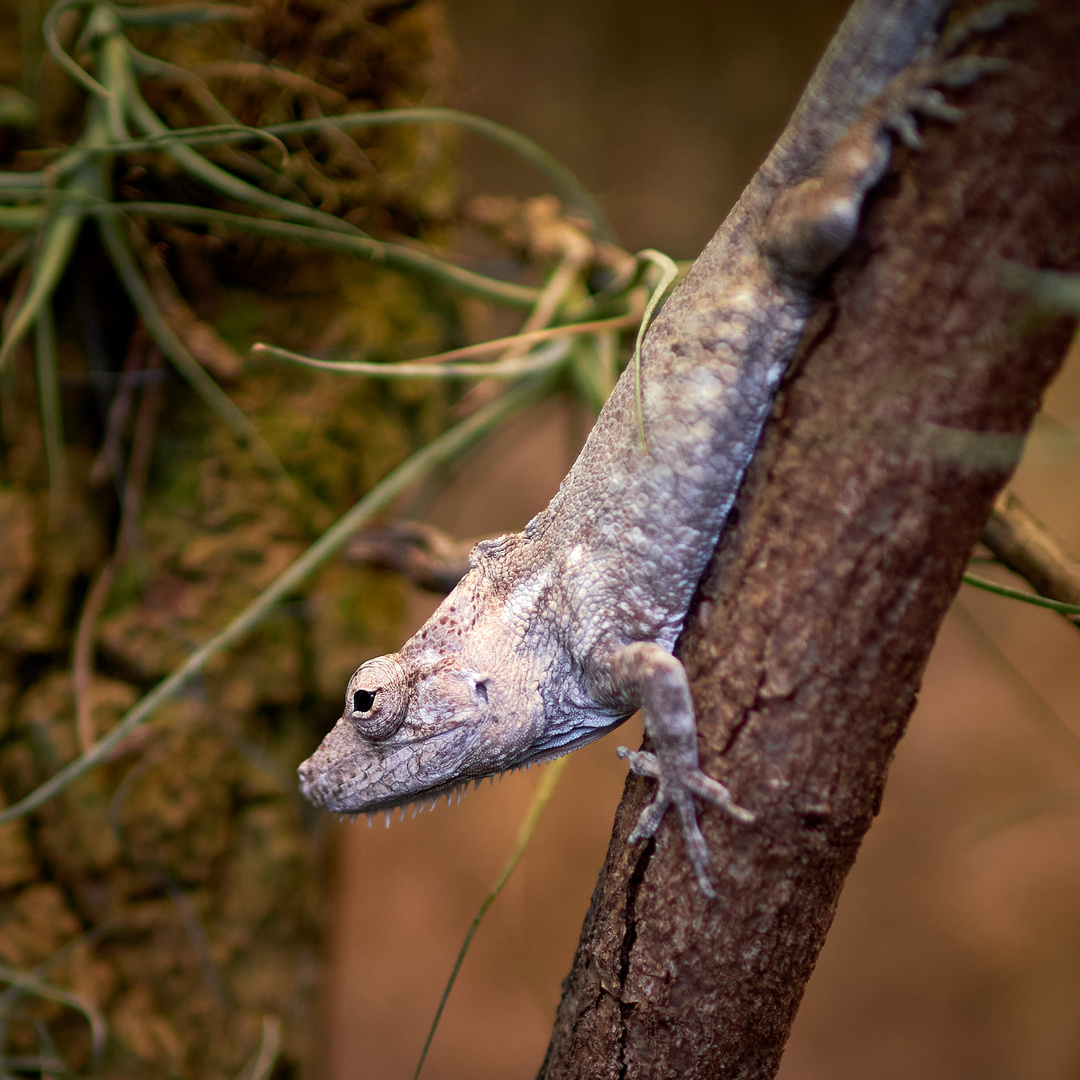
(956, 949)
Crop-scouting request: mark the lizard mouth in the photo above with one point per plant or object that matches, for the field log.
(340, 796)
(375, 781)
(368, 783)
(420, 800)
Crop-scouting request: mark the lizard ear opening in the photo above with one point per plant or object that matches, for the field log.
(376, 700)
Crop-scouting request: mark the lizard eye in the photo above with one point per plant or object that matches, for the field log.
(377, 700)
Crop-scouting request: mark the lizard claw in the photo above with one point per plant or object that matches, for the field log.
(907, 130)
(677, 788)
(641, 761)
(932, 103)
(964, 70)
(938, 66)
(981, 21)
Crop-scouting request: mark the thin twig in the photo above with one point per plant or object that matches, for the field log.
(576, 252)
(1029, 549)
(142, 443)
(532, 337)
(531, 364)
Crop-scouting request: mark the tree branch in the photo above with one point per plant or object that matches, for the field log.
(903, 418)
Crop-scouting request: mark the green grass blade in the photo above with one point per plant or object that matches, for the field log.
(542, 359)
(30, 185)
(57, 241)
(1054, 289)
(21, 218)
(395, 255)
(548, 782)
(51, 420)
(123, 260)
(439, 451)
(1016, 594)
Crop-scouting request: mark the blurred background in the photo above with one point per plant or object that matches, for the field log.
(222, 928)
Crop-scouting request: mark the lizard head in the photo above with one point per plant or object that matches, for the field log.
(417, 726)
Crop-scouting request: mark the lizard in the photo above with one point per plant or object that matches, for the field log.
(559, 633)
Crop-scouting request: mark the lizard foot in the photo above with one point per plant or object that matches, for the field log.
(937, 65)
(677, 786)
(814, 222)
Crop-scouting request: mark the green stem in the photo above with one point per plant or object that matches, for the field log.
(172, 14)
(60, 55)
(13, 256)
(548, 781)
(195, 165)
(394, 255)
(542, 360)
(21, 218)
(1015, 594)
(446, 447)
(57, 241)
(573, 192)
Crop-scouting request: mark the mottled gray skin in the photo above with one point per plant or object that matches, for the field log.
(557, 634)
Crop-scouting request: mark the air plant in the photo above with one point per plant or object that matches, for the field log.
(53, 204)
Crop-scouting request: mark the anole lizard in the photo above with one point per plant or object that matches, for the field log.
(559, 633)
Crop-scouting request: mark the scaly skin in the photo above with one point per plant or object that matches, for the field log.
(557, 634)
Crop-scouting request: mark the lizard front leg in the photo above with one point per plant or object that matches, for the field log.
(646, 676)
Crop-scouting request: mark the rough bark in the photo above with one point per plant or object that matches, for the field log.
(903, 417)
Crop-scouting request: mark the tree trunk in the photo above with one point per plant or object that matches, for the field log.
(904, 415)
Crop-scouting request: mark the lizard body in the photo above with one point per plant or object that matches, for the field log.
(559, 633)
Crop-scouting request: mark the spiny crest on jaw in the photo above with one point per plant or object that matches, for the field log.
(452, 795)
